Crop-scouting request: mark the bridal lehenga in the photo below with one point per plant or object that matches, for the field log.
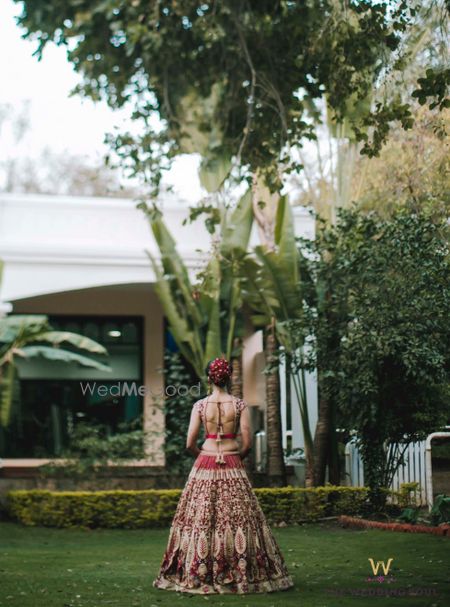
(219, 541)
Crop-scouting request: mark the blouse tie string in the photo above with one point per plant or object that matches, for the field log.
(219, 456)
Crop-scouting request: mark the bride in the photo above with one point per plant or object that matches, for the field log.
(219, 541)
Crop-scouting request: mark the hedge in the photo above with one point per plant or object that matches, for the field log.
(156, 507)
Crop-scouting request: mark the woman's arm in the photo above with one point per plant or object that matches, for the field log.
(193, 431)
(246, 435)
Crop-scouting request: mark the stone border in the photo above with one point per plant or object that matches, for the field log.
(361, 523)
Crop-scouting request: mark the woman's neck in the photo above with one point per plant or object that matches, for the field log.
(218, 392)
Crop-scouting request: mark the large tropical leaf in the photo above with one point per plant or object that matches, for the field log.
(257, 292)
(288, 255)
(175, 268)
(196, 115)
(79, 341)
(354, 112)
(235, 303)
(284, 285)
(13, 326)
(17, 332)
(236, 232)
(184, 335)
(60, 355)
(213, 172)
(265, 205)
(273, 285)
(213, 346)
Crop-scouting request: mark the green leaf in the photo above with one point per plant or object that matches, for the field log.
(13, 326)
(173, 265)
(236, 234)
(288, 255)
(60, 355)
(213, 345)
(79, 341)
(7, 377)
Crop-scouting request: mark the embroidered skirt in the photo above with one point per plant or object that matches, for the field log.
(219, 541)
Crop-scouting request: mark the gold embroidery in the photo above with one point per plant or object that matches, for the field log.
(190, 552)
(202, 545)
(239, 541)
(228, 543)
(185, 542)
(217, 543)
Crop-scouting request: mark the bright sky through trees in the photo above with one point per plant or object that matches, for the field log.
(58, 121)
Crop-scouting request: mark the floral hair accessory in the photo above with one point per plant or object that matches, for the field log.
(219, 370)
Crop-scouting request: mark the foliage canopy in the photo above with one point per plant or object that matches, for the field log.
(260, 67)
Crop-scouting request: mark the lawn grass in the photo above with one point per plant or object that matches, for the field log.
(80, 568)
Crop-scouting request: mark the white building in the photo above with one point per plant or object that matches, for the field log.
(82, 262)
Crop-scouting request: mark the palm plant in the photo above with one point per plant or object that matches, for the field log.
(204, 317)
(31, 336)
(273, 292)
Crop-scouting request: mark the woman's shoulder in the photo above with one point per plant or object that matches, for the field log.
(240, 403)
(199, 405)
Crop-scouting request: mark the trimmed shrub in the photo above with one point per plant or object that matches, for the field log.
(156, 507)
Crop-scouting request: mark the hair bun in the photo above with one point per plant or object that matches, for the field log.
(219, 370)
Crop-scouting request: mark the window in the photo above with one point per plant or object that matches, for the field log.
(53, 396)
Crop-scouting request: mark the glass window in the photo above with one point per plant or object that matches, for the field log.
(53, 397)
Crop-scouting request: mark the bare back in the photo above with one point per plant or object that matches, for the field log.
(226, 411)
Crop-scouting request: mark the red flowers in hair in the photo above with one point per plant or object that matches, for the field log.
(219, 370)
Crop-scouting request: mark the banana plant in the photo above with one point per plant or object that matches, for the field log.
(203, 317)
(31, 336)
(273, 292)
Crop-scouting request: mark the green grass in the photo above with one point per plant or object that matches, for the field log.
(76, 568)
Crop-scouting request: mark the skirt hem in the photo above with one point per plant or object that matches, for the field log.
(283, 583)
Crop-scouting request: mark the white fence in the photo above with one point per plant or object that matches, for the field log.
(414, 469)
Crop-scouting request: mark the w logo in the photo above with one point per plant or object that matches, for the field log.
(379, 564)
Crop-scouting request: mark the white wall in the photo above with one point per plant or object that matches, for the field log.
(58, 243)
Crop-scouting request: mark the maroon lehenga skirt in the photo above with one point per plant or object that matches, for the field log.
(219, 541)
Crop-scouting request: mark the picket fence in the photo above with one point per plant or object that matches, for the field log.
(413, 469)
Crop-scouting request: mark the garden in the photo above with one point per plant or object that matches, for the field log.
(330, 566)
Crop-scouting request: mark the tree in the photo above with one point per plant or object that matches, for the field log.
(413, 168)
(335, 174)
(260, 65)
(389, 370)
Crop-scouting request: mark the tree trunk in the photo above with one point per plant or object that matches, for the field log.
(334, 464)
(325, 444)
(374, 461)
(236, 376)
(321, 440)
(276, 470)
